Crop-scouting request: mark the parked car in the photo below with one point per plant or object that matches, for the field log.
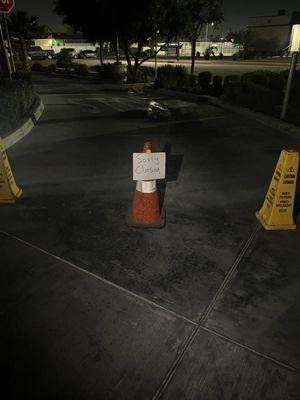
(37, 53)
(70, 51)
(87, 54)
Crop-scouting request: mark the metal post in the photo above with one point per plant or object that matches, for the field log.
(4, 56)
(289, 85)
(155, 58)
(206, 32)
(117, 51)
(101, 53)
(9, 45)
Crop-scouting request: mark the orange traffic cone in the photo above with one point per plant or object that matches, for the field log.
(145, 212)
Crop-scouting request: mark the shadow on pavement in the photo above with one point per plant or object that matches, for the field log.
(173, 166)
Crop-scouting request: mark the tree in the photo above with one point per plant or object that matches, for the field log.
(258, 46)
(239, 38)
(198, 13)
(23, 26)
(133, 22)
(250, 44)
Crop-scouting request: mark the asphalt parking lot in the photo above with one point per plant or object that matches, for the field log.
(206, 308)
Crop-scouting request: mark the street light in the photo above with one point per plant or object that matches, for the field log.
(117, 50)
(155, 59)
(206, 31)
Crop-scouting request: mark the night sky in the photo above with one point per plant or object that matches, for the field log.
(235, 11)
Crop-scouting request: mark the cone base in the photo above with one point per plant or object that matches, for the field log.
(160, 223)
(273, 227)
(6, 201)
(13, 199)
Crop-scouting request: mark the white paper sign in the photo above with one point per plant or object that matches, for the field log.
(295, 39)
(149, 166)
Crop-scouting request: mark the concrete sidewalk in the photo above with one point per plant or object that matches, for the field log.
(206, 308)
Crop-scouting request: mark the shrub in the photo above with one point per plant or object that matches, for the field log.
(105, 71)
(51, 68)
(169, 76)
(277, 84)
(16, 100)
(206, 54)
(231, 78)
(112, 71)
(284, 73)
(295, 90)
(235, 56)
(251, 95)
(81, 69)
(221, 56)
(37, 67)
(183, 79)
(216, 88)
(204, 79)
(217, 81)
(145, 74)
(259, 77)
(64, 60)
(193, 81)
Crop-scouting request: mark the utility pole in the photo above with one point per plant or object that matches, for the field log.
(155, 58)
(13, 67)
(4, 59)
(117, 51)
(101, 52)
(206, 31)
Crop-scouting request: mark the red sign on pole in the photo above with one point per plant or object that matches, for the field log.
(6, 6)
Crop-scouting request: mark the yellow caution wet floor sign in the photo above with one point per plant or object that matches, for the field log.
(277, 210)
(9, 191)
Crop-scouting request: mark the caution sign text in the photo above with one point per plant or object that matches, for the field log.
(277, 210)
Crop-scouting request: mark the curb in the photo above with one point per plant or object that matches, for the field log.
(267, 120)
(26, 126)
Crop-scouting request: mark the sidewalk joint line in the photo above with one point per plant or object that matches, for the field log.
(99, 278)
(250, 349)
(170, 373)
(228, 276)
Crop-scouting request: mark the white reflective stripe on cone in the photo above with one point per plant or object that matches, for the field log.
(146, 186)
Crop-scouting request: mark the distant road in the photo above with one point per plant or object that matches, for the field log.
(216, 67)
(223, 68)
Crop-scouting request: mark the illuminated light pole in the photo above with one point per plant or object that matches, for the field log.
(155, 59)
(206, 30)
(117, 51)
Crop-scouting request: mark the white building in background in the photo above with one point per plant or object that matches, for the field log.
(57, 44)
(185, 48)
(226, 48)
